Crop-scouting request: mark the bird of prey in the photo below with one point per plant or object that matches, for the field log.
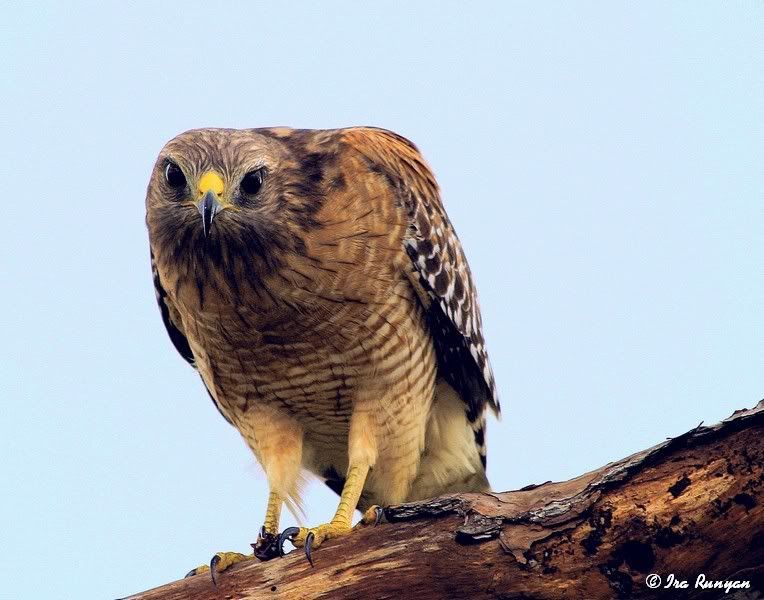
(314, 281)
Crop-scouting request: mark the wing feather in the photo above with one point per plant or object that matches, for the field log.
(440, 266)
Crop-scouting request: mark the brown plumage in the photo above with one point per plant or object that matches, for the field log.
(329, 308)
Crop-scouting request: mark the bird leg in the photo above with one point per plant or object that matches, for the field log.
(362, 454)
(269, 543)
(276, 440)
(340, 524)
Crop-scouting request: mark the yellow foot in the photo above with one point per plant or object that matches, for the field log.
(313, 537)
(219, 563)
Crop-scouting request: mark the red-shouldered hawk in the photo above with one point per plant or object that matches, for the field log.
(313, 279)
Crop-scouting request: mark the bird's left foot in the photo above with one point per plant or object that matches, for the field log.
(313, 537)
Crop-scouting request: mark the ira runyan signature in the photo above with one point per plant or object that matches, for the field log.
(701, 583)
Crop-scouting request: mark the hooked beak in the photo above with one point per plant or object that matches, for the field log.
(208, 208)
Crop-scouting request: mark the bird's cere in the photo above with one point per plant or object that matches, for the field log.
(211, 182)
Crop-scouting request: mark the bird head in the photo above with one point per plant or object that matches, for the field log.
(224, 196)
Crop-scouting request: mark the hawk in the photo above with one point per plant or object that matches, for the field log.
(315, 282)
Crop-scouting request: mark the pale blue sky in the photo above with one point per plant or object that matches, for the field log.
(602, 163)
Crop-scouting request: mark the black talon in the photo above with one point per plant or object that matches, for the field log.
(191, 573)
(285, 535)
(378, 514)
(308, 546)
(214, 569)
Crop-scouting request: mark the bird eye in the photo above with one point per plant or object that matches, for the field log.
(252, 182)
(174, 176)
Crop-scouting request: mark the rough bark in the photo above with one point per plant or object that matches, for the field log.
(689, 506)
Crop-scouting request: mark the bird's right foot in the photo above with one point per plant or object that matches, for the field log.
(219, 563)
(268, 546)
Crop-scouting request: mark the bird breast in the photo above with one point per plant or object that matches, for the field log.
(308, 343)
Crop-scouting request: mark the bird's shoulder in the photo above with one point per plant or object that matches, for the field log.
(441, 275)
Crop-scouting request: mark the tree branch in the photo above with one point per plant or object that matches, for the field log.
(689, 506)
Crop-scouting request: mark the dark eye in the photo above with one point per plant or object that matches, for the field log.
(252, 182)
(174, 176)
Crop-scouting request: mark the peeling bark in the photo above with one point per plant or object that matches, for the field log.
(689, 506)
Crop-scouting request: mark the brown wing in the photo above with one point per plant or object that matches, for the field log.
(438, 260)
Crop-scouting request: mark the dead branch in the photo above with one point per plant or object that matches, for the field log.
(691, 505)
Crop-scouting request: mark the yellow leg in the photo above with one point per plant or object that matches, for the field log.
(269, 544)
(362, 455)
(341, 522)
(273, 513)
(276, 440)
